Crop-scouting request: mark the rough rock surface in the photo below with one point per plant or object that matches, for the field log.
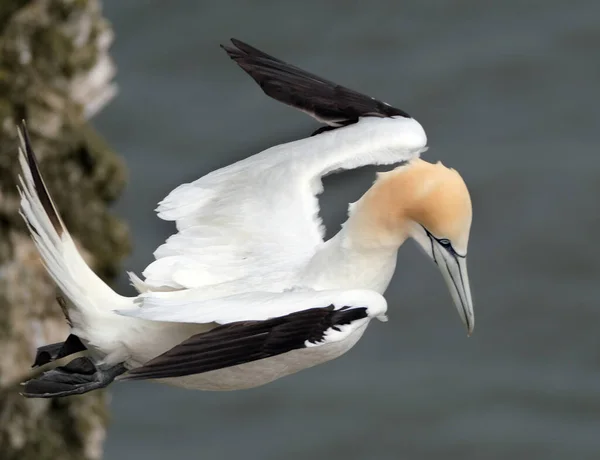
(55, 72)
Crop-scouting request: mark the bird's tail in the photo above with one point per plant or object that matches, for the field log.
(90, 300)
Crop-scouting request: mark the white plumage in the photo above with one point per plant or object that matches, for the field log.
(247, 290)
(245, 235)
(259, 217)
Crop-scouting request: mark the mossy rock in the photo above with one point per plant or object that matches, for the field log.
(47, 49)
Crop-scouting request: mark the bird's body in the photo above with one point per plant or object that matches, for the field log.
(258, 373)
(247, 291)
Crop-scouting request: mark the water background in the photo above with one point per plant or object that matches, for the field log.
(508, 92)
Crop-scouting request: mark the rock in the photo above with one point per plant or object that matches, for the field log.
(55, 71)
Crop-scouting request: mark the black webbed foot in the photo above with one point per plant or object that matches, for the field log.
(79, 376)
(54, 351)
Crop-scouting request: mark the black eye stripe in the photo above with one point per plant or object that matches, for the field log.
(445, 243)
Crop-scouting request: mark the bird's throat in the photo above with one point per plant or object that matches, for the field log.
(342, 264)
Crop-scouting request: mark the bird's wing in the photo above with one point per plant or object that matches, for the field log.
(253, 326)
(258, 219)
(326, 101)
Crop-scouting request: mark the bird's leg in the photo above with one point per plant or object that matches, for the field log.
(79, 376)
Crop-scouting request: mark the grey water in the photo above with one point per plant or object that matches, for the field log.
(508, 93)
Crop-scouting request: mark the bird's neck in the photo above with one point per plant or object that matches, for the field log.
(348, 261)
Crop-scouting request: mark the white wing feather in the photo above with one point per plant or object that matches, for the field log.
(259, 217)
(184, 306)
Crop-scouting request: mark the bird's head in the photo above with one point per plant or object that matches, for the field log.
(431, 204)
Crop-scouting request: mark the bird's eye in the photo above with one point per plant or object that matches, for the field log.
(445, 242)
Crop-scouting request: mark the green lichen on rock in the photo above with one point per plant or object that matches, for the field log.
(48, 49)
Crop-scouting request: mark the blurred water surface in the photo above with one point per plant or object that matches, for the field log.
(508, 93)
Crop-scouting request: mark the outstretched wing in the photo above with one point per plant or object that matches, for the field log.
(322, 99)
(256, 326)
(257, 219)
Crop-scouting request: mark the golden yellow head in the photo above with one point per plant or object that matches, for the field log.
(439, 200)
(427, 194)
(431, 204)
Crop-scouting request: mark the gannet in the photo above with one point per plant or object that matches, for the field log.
(248, 291)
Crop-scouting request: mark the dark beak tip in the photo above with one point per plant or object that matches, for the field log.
(470, 329)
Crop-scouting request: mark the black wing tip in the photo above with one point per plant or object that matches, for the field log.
(30, 154)
(22, 125)
(327, 101)
(234, 41)
(26, 141)
(238, 46)
(38, 181)
(230, 50)
(240, 51)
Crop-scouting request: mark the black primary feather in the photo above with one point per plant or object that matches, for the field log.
(38, 182)
(324, 100)
(242, 342)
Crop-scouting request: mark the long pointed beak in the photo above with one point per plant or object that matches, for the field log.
(454, 270)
